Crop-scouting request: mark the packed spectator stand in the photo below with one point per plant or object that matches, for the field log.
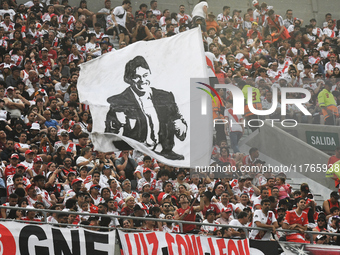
(45, 137)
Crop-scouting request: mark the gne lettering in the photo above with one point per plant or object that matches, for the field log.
(60, 245)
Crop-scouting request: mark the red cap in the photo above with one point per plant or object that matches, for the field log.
(267, 41)
(22, 165)
(29, 186)
(226, 209)
(28, 152)
(94, 185)
(76, 180)
(146, 169)
(37, 159)
(14, 155)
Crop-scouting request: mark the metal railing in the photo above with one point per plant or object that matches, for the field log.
(179, 222)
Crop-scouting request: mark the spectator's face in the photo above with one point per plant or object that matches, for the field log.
(146, 199)
(265, 206)
(111, 205)
(18, 180)
(102, 209)
(219, 189)
(83, 141)
(32, 192)
(147, 163)
(211, 217)
(130, 202)
(275, 192)
(108, 4)
(330, 23)
(168, 188)
(63, 81)
(321, 223)
(264, 194)
(71, 218)
(13, 201)
(243, 220)
(289, 14)
(126, 224)
(224, 198)
(301, 204)
(127, 185)
(244, 199)
(113, 185)
(106, 194)
(9, 145)
(14, 161)
(68, 162)
(96, 177)
(64, 138)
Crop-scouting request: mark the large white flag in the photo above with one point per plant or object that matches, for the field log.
(140, 96)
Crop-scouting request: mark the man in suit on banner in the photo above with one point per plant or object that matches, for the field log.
(145, 114)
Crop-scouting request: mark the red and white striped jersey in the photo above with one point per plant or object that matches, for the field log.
(8, 28)
(221, 17)
(317, 31)
(329, 32)
(70, 22)
(313, 60)
(268, 219)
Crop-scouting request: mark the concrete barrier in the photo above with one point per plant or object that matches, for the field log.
(294, 153)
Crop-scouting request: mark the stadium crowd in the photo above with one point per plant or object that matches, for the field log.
(47, 160)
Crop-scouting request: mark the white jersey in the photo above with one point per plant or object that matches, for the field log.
(268, 219)
(210, 229)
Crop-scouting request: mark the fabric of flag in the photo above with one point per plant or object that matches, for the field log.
(139, 98)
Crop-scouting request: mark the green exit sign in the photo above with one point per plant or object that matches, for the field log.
(323, 140)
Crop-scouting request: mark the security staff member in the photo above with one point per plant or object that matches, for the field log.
(328, 104)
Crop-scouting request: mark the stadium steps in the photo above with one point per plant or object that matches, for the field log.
(319, 191)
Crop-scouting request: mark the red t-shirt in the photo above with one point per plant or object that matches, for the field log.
(10, 170)
(126, 211)
(293, 218)
(190, 217)
(212, 207)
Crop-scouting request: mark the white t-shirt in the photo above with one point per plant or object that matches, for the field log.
(235, 222)
(268, 219)
(61, 88)
(120, 15)
(11, 12)
(198, 10)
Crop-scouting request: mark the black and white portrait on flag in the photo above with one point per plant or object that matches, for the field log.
(140, 98)
(144, 113)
